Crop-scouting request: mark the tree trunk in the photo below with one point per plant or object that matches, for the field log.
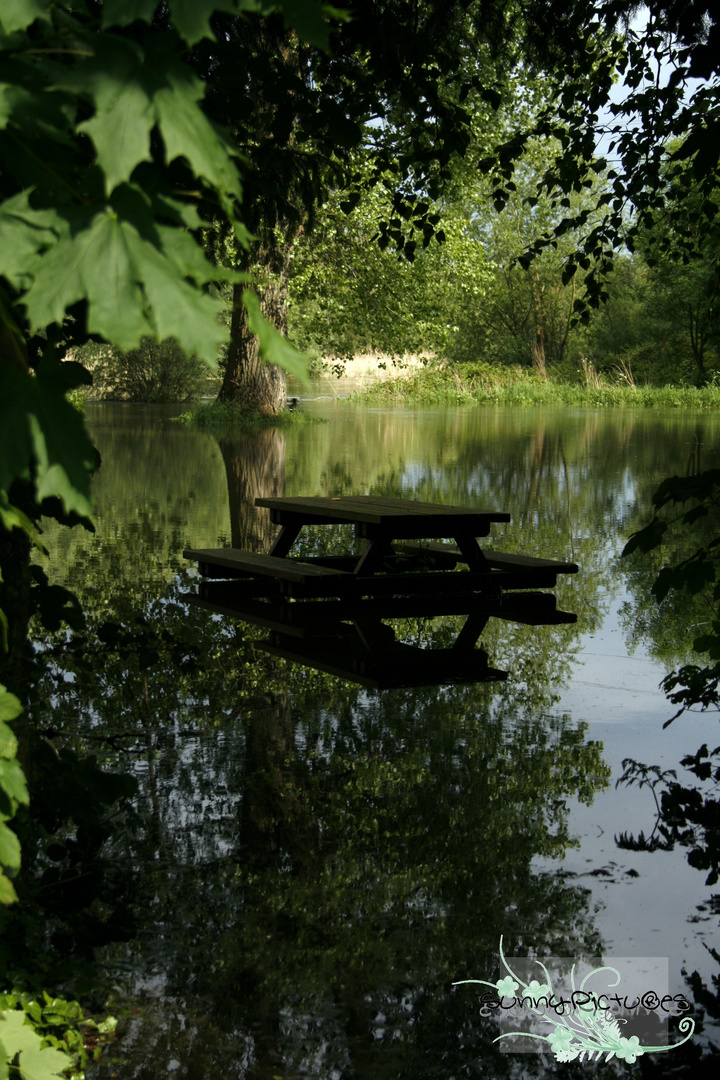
(254, 385)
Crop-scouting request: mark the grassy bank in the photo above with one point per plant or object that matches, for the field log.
(224, 415)
(479, 384)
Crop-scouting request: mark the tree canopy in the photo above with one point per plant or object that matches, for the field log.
(663, 117)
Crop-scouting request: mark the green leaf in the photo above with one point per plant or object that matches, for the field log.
(274, 348)
(10, 97)
(698, 574)
(12, 781)
(13, 518)
(132, 91)
(9, 848)
(24, 232)
(305, 16)
(125, 12)
(697, 512)
(10, 708)
(26, 105)
(38, 424)
(37, 1062)
(178, 309)
(189, 257)
(191, 18)
(121, 91)
(19, 14)
(187, 132)
(663, 583)
(7, 896)
(89, 263)
(132, 286)
(646, 539)
(8, 741)
(33, 1009)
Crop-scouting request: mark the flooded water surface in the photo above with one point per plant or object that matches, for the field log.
(298, 870)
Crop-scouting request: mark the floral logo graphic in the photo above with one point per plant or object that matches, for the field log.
(587, 1031)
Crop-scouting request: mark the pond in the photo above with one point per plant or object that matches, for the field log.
(295, 871)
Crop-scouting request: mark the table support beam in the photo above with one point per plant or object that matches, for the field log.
(285, 539)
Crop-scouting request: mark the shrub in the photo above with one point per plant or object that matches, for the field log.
(154, 372)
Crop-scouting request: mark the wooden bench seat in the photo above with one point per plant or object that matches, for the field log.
(497, 560)
(293, 576)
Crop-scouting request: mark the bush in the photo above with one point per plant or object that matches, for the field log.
(154, 372)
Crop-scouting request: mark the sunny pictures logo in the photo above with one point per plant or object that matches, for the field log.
(577, 1022)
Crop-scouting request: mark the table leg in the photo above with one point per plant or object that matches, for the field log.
(284, 540)
(472, 554)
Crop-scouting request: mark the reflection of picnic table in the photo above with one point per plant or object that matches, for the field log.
(401, 556)
(349, 638)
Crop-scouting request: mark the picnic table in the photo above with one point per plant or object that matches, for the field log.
(401, 556)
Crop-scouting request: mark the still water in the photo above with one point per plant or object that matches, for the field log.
(307, 867)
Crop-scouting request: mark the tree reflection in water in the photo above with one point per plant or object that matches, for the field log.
(315, 865)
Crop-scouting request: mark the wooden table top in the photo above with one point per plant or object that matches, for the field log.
(420, 518)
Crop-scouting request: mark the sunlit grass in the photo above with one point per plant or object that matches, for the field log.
(486, 384)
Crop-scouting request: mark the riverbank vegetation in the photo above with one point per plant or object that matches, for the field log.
(159, 372)
(479, 384)
(472, 302)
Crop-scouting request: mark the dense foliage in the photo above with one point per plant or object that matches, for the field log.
(659, 134)
(514, 287)
(108, 157)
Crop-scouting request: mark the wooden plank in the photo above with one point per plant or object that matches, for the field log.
(371, 510)
(356, 507)
(500, 561)
(497, 560)
(248, 562)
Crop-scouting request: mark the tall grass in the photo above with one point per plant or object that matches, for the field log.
(488, 384)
